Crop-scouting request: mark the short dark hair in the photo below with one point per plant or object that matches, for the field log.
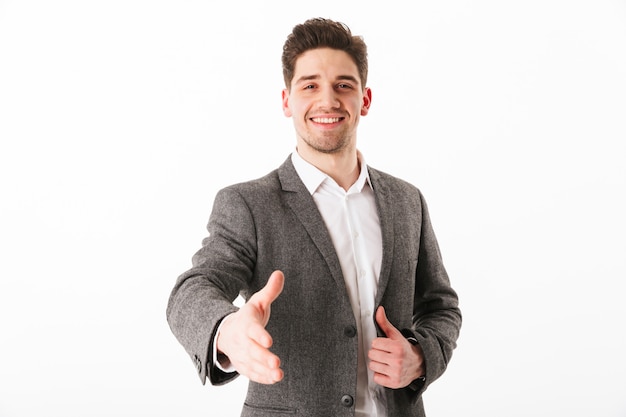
(320, 33)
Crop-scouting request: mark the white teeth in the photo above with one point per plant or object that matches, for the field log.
(325, 119)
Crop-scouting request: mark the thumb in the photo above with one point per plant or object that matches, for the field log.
(270, 292)
(390, 331)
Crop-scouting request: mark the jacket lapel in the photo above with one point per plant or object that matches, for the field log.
(385, 215)
(301, 203)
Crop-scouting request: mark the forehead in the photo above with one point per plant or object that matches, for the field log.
(325, 62)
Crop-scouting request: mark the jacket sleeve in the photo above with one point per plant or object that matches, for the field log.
(221, 270)
(436, 314)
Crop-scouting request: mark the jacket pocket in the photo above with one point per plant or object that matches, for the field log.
(250, 410)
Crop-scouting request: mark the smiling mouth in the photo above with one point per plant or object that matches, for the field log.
(327, 120)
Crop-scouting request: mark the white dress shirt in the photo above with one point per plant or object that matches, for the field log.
(351, 218)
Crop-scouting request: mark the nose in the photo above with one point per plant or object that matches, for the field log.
(328, 98)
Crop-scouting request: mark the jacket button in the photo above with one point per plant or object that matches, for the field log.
(347, 400)
(349, 331)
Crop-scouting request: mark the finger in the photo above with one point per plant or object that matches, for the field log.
(254, 360)
(387, 381)
(380, 351)
(264, 365)
(261, 357)
(260, 365)
(387, 370)
(265, 376)
(385, 325)
(270, 292)
(260, 336)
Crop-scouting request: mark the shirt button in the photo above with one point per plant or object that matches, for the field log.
(347, 400)
(349, 331)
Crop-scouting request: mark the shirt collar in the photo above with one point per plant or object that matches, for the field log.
(312, 177)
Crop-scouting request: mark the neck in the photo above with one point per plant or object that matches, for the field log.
(342, 167)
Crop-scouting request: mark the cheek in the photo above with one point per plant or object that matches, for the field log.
(297, 109)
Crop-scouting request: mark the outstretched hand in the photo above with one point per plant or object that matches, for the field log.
(396, 362)
(244, 340)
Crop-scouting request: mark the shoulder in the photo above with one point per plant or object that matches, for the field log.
(256, 190)
(264, 189)
(391, 183)
(403, 195)
(264, 183)
(283, 178)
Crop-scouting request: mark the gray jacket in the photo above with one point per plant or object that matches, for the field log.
(272, 223)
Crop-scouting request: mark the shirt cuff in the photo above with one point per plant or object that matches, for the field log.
(221, 361)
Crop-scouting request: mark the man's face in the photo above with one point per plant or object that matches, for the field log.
(326, 100)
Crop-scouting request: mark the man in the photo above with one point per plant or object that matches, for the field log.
(349, 310)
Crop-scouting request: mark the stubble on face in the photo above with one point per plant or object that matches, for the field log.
(326, 142)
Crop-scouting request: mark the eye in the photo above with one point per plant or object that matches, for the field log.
(344, 86)
(309, 87)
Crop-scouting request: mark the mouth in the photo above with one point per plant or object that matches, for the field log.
(327, 120)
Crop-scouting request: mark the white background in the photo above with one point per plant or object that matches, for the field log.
(120, 120)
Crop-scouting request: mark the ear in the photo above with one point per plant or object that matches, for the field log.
(286, 109)
(367, 101)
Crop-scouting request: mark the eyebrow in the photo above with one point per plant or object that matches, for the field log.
(317, 77)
